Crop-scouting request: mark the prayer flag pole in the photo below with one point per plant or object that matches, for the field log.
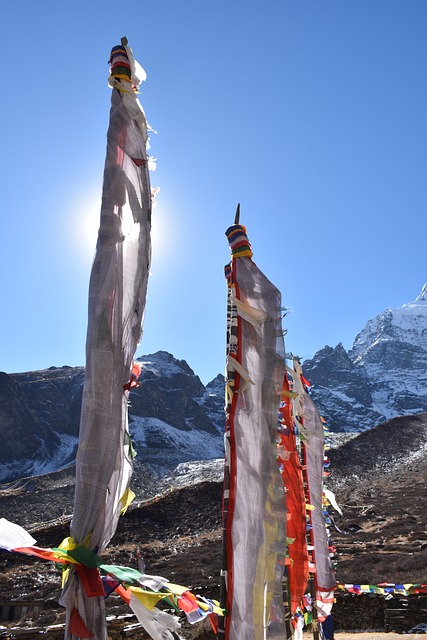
(254, 514)
(117, 293)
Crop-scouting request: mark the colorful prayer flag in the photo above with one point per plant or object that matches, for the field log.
(254, 497)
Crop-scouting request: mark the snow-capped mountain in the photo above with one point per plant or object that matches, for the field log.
(173, 417)
(384, 374)
(39, 420)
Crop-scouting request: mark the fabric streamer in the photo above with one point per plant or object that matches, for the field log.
(12, 535)
(158, 624)
(254, 512)
(291, 469)
(332, 500)
(314, 452)
(384, 588)
(117, 293)
(125, 581)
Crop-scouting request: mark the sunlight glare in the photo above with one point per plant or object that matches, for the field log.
(165, 235)
(83, 216)
(84, 223)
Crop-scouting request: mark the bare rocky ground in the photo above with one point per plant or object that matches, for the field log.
(379, 479)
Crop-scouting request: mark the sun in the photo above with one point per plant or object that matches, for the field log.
(82, 217)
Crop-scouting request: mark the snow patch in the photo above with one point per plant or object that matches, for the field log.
(63, 456)
(151, 434)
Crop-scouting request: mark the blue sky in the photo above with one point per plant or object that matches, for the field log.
(310, 113)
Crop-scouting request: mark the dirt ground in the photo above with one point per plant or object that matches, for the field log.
(373, 636)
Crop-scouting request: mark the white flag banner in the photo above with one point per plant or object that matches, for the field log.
(314, 447)
(13, 536)
(158, 624)
(256, 515)
(117, 293)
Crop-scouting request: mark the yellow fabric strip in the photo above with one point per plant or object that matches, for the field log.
(148, 598)
(126, 499)
(122, 76)
(176, 589)
(65, 575)
(247, 253)
(289, 394)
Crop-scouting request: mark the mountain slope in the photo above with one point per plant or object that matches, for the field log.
(39, 420)
(380, 488)
(380, 480)
(173, 417)
(384, 375)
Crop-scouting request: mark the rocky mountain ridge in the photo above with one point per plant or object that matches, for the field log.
(383, 375)
(174, 418)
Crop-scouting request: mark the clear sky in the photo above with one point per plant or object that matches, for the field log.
(310, 113)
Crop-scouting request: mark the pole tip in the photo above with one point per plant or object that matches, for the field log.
(124, 41)
(237, 216)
